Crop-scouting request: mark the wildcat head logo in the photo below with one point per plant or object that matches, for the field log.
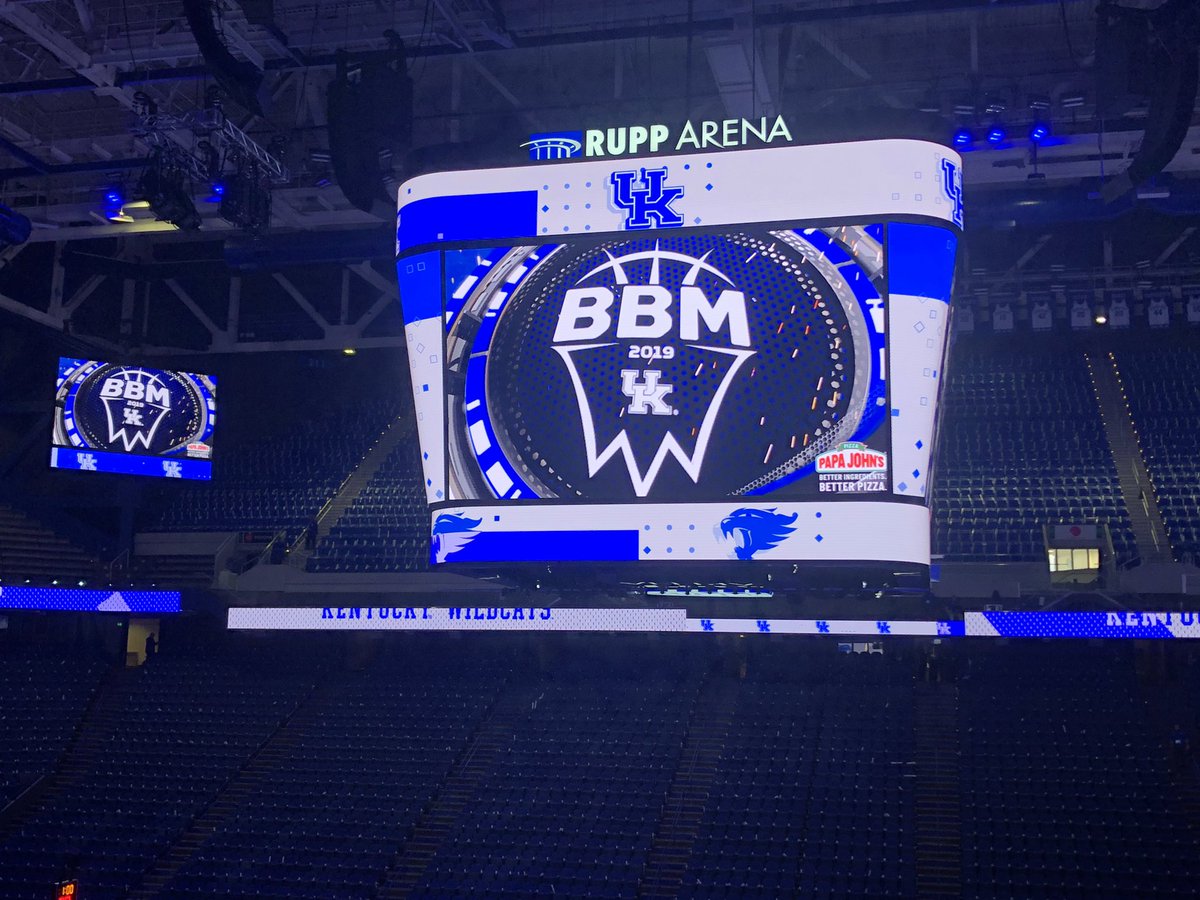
(135, 402)
(451, 532)
(755, 530)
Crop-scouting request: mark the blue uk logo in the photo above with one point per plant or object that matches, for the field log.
(952, 188)
(649, 204)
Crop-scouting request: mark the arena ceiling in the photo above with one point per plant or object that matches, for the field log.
(73, 71)
(488, 73)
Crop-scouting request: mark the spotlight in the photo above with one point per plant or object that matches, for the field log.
(114, 201)
(246, 198)
(963, 138)
(1039, 101)
(1038, 132)
(1101, 318)
(1072, 101)
(14, 228)
(218, 192)
(165, 186)
(996, 134)
(349, 351)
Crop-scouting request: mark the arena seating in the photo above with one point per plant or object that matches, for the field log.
(1163, 392)
(174, 734)
(387, 527)
(569, 808)
(812, 795)
(332, 814)
(1022, 446)
(287, 775)
(41, 701)
(1064, 795)
(29, 549)
(279, 482)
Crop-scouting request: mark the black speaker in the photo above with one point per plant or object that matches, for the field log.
(241, 80)
(369, 108)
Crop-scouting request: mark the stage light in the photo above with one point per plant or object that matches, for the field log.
(14, 228)
(996, 134)
(1039, 101)
(165, 186)
(963, 138)
(1038, 132)
(246, 197)
(349, 351)
(1101, 318)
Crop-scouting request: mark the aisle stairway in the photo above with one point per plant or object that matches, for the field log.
(683, 808)
(97, 726)
(439, 818)
(396, 431)
(274, 752)
(938, 802)
(1136, 487)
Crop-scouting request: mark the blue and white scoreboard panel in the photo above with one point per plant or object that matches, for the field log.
(732, 355)
(133, 420)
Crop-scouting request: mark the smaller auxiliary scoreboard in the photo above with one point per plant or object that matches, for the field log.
(133, 420)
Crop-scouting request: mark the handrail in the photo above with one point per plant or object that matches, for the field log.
(337, 492)
(113, 563)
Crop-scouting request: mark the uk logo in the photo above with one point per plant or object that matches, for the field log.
(646, 395)
(952, 188)
(87, 462)
(172, 469)
(649, 204)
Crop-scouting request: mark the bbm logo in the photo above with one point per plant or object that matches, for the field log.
(683, 366)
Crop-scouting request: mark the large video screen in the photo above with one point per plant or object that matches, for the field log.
(133, 420)
(673, 375)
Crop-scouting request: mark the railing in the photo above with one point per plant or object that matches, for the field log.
(119, 563)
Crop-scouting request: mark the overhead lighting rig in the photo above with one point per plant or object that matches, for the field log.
(220, 153)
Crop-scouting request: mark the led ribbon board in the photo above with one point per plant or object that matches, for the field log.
(80, 600)
(133, 420)
(716, 356)
(1120, 625)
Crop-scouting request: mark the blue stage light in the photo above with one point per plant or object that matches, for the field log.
(1038, 132)
(996, 134)
(963, 138)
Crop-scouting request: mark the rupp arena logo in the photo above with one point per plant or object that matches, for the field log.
(628, 140)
